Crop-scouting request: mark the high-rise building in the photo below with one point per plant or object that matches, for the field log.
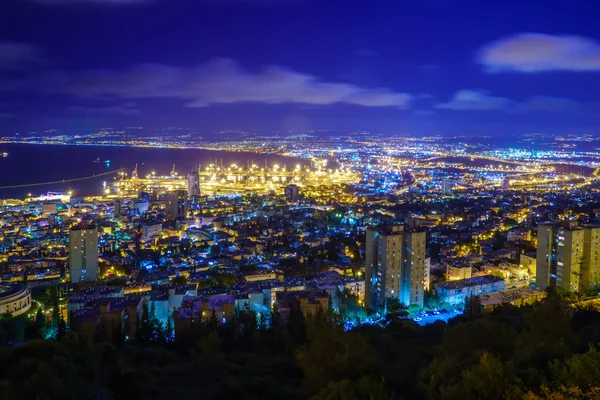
(83, 253)
(117, 211)
(412, 287)
(446, 186)
(568, 256)
(591, 257)
(194, 182)
(144, 196)
(292, 193)
(176, 205)
(395, 266)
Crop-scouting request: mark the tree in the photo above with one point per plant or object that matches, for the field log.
(179, 280)
(581, 370)
(208, 350)
(296, 325)
(262, 322)
(499, 241)
(564, 393)
(40, 322)
(169, 331)
(274, 318)
(350, 306)
(395, 309)
(332, 354)
(367, 388)
(144, 328)
(246, 318)
(213, 323)
(432, 302)
(52, 332)
(215, 250)
(62, 327)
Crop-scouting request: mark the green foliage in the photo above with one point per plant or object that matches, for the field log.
(543, 351)
(395, 309)
(581, 370)
(40, 322)
(208, 350)
(179, 280)
(366, 388)
(150, 329)
(213, 323)
(332, 355)
(226, 279)
(350, 307)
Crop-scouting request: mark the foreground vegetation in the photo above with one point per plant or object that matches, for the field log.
(544, 351)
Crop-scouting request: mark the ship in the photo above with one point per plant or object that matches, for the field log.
(4, 155)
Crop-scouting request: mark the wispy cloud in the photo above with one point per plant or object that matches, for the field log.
(535, 52)
(423, 112)
(220, 81)
(101, 2)
(547, 103)
(483, 100)
(123, 109)
(15, 56)
(134, 2)
(479, 100)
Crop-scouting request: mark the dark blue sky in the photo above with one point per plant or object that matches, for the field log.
(421, 66)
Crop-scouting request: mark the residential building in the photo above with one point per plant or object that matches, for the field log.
(457, 270)
(176, 205)
(568, 256)
(516, 297)
(292, 193)
(529, 262)
(307, 302)
(414, 268)
(395, 266)
(83, 253)
(194, 182)
(591, 257)
(446, 186)
(151, 229)
(456, 292)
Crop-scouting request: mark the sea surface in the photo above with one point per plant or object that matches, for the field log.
(27, 164)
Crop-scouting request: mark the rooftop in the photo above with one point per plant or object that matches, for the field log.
(476, 280)
(510, 295)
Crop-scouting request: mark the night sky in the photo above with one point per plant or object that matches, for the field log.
(421, 67)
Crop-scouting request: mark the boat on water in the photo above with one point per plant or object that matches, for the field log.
(4, 155)
(98, 161)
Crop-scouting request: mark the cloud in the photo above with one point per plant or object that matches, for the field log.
(423, 112)
(220, 81)
(16, 56)
(123, 109)
(424, 96)
(547, 103)
(475, 100)
(134, 2)
(535, 52)
(103, 2)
